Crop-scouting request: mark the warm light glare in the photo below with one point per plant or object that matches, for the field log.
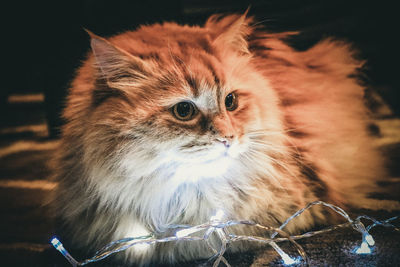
(218, 215)
(142, 247)
(137, 230)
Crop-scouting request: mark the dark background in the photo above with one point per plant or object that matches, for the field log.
(44, 41)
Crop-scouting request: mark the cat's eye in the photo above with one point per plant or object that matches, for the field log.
(184, 110)
(231, 101)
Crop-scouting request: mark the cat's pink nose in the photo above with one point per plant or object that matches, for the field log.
(227, 141)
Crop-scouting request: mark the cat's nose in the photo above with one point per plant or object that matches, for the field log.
(227, 140)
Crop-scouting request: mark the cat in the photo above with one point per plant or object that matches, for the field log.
(167, 124)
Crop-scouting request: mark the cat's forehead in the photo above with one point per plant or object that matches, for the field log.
(208, 97)
(205, 96)
(201, 80)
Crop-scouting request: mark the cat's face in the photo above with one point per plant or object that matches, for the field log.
(197, 113)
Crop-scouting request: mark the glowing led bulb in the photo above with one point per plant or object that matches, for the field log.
(287, 260)
(55, 242)
(59, 246)
(369, 239)
(363, 249)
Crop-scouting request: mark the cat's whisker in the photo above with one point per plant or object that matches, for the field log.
(262, 21)
(269, 144)
(173, 58)
(295, 147)
(277, 162)
(268, 149)
(281, 149)
(268, 131)
(266, 169)
(262, 133)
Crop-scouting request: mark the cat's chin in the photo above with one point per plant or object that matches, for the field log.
(197, 171)
(210, 165)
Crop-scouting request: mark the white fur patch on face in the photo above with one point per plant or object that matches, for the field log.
(207, 100)
(238, 147)
(207, 103)
(192, 172)
(212, 152)
(208, 163)
(212, 163)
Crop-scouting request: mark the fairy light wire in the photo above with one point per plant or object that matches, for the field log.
(218, 228)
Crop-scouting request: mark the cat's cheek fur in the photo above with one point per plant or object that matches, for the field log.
(264, 101)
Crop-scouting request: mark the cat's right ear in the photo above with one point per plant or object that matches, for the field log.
(230, 31)
(115, 65)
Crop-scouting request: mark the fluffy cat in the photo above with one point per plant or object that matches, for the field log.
(169, 123)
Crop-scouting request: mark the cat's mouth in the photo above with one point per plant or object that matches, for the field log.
(210, 152)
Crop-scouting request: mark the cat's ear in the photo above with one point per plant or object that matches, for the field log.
(115, 65)
(230, 31)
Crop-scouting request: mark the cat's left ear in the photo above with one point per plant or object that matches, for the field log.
(115, 65)
(230, 31)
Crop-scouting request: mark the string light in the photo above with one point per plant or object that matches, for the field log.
(285, 257)
(59, 246)
(363, 249)
(220, 228)
(369, 240)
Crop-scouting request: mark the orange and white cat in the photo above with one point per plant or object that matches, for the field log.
(169, 123)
